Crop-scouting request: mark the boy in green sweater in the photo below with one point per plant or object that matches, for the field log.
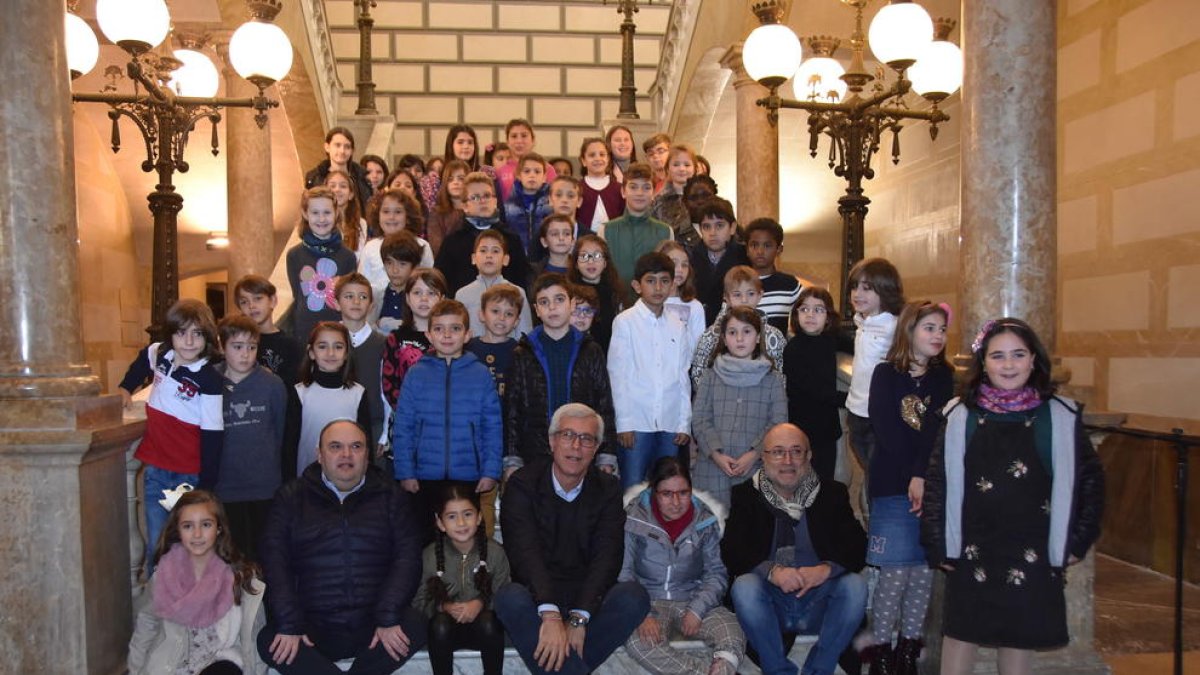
(634, 234)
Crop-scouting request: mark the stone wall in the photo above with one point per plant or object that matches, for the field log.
(483, 62)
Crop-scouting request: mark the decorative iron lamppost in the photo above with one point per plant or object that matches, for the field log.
(172, 92)
(628, 106)
(840, 103)
(366, 84)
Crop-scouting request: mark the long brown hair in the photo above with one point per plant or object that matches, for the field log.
(351, 214)
(687, 291)
(244, 571)
(308, 365)
(900, 354)
(445, 203)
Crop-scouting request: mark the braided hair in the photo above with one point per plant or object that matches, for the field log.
(434, 585)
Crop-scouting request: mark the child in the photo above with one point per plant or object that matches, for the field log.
(426, 287)
(810, 368)
(562, 166)
(184, 424)
(669, 205)
(403, 181)
(353, 225)
(456, 590)
(446, 212)
(553, 365)
(592, 266)
(255, 411)
(339, 156)
(314, 264)
(656, 148)
(448, 424)
(1014, 495)
(489, 257)
(497, 155)
(586, 305)
(526, 207)
(327, 391)
(696, 191)
(742, 289)
(376, 170)
(355, 298)
(737, 401)
(781, 291)
(647, 366)
(877, 296)
(717, 256)
(907, 392)
(401, 254)
(202, 614)
(461, 146)
(681, 303)
(565, 198)
(620, 145)
(556, 238)
(635, 233)
(389, 212)
(521, 139)
(278, 351)
(602, 198)
(500, 306)
(454, 259)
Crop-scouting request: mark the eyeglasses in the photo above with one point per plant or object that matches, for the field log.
(820, 309)
(584, 311)
(585, 440)
(480, 198)
(672, 495)
(594, 256)
(780, 454)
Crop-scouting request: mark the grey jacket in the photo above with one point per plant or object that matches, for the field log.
(690, 568)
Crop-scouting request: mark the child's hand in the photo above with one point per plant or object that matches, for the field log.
(485, 484)
(916, 494)
(625, 439)
(468, 611)
(682, 439)
(725, 463)
(410, 485)
(126, 399)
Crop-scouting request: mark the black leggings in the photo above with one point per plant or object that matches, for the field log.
(483, 634)
(222, 668)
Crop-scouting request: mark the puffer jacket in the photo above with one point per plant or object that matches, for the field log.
(527, 223)
(1077, 494)
(448, 423)
(526, 432)
(690, 568)
(340, 565)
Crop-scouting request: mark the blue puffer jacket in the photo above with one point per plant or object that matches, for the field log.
(527, 223)
(448, 424)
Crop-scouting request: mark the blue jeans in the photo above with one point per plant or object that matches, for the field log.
(621, 612)
(832, 611)
(154, 481)
(648, 447)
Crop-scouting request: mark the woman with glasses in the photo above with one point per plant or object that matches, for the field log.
(673, 549)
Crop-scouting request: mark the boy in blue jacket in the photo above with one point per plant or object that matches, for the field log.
(448, 424)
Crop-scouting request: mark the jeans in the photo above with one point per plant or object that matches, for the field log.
(622, 611)
(832, 611)
(333, 645)
(154, 481)
(648, 447)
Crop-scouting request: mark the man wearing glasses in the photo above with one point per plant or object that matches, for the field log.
(563, 526)
(794, 550)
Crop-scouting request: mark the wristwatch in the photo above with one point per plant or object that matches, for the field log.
(577, 620)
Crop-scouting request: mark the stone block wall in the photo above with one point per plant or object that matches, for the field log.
(484, 62)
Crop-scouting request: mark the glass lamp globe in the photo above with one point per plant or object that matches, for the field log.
(197, 77)
(136, 25)
(819, 79)
(82, 47)
(260, 52)
(938, 71)
(898, 32)
(771, 54)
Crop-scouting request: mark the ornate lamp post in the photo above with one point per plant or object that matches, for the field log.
(172, 92)
(628, 106)
(839, 101)
(366, 85)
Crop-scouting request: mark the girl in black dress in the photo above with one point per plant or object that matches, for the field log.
(1014, 494)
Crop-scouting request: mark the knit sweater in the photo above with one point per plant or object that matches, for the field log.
(471, 296)
(312, 278)
(609, 195)
(630, 237)
(810, 366)
(454, 258)
(281, 353)
(905, 417)
(251, 459)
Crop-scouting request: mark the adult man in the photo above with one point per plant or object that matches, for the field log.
(342, 562)
(794, 549)
(563, 526)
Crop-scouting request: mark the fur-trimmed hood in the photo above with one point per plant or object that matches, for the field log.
(709, 511)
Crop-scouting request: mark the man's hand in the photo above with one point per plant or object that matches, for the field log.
(575, 637)
(485, 484)
(650, 631)
(811, 577)
(625, 439)
(743, 464)
(682, 439)
(552, 647)
(285, 647)
(916, 494)
(410, 485)
(690, 624)
(786, 578)
(395, 642)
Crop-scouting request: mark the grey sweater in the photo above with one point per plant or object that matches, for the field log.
(255, 410)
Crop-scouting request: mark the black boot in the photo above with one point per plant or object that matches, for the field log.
(882, 659)
(907, 653)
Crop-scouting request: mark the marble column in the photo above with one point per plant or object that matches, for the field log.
(248, 180)
(61, 445)
(1008, 254)
(757, 145)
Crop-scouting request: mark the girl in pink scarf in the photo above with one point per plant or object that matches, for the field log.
(203, 598)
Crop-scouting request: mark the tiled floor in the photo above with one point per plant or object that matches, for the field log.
(1134, 619)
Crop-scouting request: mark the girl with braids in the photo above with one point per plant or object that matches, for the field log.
(456, 590)
(203, 606)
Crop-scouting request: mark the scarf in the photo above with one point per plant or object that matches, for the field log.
(735, 372)
(1005, 400)
(484, 223)
(321, 247)
(806, 493)
(673, 528)
(181, 598)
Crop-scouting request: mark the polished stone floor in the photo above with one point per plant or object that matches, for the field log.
(1134, 619)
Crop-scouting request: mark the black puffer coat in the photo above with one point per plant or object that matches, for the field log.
(331, 564)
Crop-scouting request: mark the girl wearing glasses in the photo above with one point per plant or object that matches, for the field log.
(592, 266)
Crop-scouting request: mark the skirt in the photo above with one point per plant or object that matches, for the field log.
(894, 534)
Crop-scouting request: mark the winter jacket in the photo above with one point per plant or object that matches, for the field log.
(670, 207)
(526, 434)
(454, 256)
(448, 423)
(340, 565)
(527, 222)
(458, 573)
(690, 568)
(1076, 498)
